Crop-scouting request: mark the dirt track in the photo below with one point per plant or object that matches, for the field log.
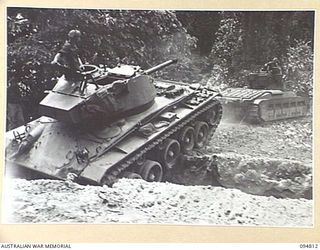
(136, 201)
(269, 161)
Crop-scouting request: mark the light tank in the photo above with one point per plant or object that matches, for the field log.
(108, 123)
(265, 100)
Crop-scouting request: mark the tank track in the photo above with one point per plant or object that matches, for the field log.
(113, 174)
(254, 114)
(212, 128)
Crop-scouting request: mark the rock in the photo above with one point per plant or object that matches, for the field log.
(111, 204)
(147, 204)
(173, 204)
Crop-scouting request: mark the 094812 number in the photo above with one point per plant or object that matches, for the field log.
(309, 245)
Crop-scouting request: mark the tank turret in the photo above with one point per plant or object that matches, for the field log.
(101, 94)
(265, 80)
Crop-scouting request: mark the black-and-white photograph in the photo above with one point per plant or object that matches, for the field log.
(176, 117)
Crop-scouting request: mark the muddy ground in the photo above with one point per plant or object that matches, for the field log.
(265, 178)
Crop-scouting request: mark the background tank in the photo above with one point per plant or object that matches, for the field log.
(265, 100)
(113, 123)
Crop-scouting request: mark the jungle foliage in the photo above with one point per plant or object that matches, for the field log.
(212, 47)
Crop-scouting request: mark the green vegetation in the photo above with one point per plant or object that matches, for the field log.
(214, 48)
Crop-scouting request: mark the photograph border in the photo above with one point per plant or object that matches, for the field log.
(101, 233)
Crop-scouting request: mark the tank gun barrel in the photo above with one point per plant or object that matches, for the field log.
(160, 66)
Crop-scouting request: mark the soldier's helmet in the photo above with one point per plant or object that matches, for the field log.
(73, 34)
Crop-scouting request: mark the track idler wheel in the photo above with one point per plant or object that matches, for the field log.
(108, 180)
(151, 171)
(201, 132)
(186, 139)
(211, 117)
(169, 152)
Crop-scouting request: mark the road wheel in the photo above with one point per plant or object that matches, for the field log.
(186, 139)
(151, 171)
(169, 152)
(201, 132)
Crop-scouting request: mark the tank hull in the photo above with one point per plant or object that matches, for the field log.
(258, 106)
(102, 153)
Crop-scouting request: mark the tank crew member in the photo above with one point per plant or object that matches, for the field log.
(67, 57)
(275, 74)
(272, 67)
